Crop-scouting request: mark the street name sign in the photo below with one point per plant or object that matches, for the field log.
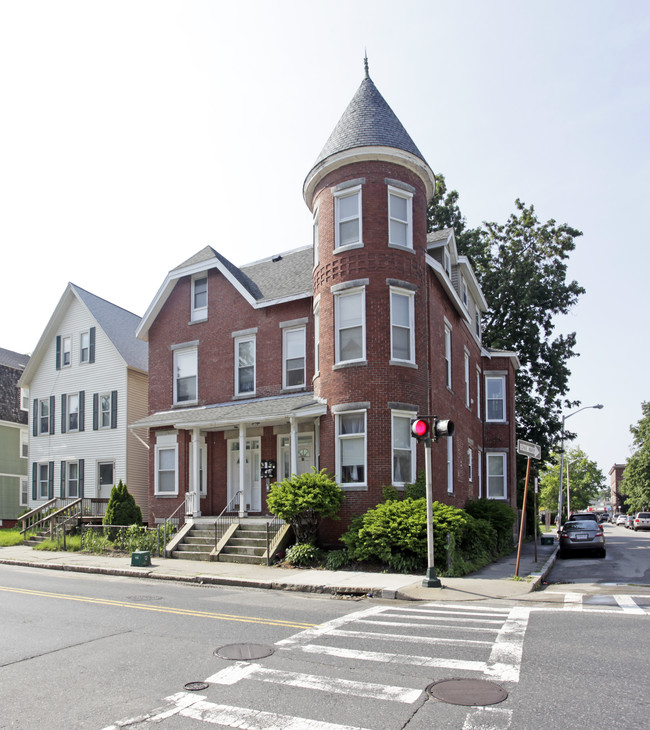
(526, 448)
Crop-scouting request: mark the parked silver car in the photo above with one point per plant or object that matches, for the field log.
(582, 536)
(641, 521)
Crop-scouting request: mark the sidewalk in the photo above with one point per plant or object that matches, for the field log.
(493, 581)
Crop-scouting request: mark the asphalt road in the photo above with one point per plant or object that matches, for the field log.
(88, 651)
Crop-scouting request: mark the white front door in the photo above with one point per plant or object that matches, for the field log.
(305, 455)
(252, 482)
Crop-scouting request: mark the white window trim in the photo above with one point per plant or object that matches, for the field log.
(409, 415)
(397, 192)
(69, 464)
(23, 495)
(468, 401)
(176, 353)
(41, 402)
(411, 326)
(446, 261)
(199, 314)
(166, 442)
(285, 334)
(39, 491)
(98, 470)
(346, 193)
(337, 299)
(82, 360)
(340, 438)
(101, 412)
(450, 464)
(479, 471)
(317, 339)
(448, 355)
(504, 419)
(240, 341)
(489, 457)
(63, 351)
(24, 399)
(68, 415)
(470, 465)
(478, 394)
(203, 468)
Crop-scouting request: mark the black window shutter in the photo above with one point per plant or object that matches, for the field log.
(81, 477)
(50, 480)
(64, 408)
(34, 481)
(82, 410)
(58, 352)
(95, 411)
(113, 409)
(63, 473)
(35, 418)
(91, 348)
(52, 404)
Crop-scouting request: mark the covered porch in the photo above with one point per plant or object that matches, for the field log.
(196, 464)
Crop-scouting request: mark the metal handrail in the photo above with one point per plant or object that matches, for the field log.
(223, 521)
(272, 529)
(172, 516)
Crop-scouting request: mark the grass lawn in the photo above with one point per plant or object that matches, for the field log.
(10, 537)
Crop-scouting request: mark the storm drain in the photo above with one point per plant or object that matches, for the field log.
(467, 692)
(243, 652)
(196, 686)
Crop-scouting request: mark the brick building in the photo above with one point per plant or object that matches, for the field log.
(321, 356)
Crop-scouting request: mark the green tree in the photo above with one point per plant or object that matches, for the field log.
(585, 481)
(522, 268)
(304, 500)
(636, 477)
(121, 509)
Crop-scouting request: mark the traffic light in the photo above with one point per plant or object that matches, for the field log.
(420, 429)
(431, 428)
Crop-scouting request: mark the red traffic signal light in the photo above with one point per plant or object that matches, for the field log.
(420, 429)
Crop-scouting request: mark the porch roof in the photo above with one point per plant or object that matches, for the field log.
(219, 416)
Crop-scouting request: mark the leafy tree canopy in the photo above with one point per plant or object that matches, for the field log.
(522, 269)
(636, 477)
(584, 479)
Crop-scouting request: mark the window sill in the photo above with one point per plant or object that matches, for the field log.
(354, 487)
(244, 396)
(403, 364)
(186, 404)
(166, 496)
(198, 320)
(399, 247)
(348, 247)
(294, 389)
(349, 364)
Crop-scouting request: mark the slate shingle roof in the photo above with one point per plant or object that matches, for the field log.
(12, 359)
(368, 121)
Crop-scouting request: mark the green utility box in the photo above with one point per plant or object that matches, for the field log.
(548, 538)
(141, 558)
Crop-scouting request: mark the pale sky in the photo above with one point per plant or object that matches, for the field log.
(134, 133)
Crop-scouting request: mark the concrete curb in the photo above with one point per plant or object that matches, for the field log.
(538, 578)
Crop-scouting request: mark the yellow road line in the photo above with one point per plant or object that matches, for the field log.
(161, 609)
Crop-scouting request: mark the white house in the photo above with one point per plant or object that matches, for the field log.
(87, 380)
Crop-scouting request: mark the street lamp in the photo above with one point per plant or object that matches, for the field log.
(559, 499)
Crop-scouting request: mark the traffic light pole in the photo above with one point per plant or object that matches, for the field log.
(431, 580)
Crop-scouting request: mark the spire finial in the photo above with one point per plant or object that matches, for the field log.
(365, 64)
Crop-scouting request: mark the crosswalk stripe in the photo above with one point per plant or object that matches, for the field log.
(446, 627)
(505, 658)
(389, 658)
(407, 637)
(325, 684)
(628, 604)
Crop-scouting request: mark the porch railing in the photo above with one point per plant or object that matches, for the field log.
(62, 509)
(272, 529)
(177, 518)
(225, 519)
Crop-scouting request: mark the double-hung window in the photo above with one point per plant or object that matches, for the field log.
(478, 394)
(403, 448)
(351, 447)
(467, 393)
(350, 325)
(347, 204)
(73, 412)
(105, 410)
(448, 356)
(43, 481)
(84, 355)
(186, 375)
(199, 298)
(72, 479)
(66, 352)
(244, 365)
(166, 475)
(470, 465)
(44, 416)
(401, 325)
(496, 475)
(293, 355)
(450, 464)
(495, 396)
(400, 207)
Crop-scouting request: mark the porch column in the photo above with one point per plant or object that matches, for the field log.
(242, 469)
(196, 472)
(294, 445)
(317, 443)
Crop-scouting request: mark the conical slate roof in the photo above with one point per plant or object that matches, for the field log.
(368, 121)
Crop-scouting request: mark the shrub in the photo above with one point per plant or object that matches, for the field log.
(502, 518)
(417, 490)
(304, 555)
(304, 500)
(338, 559)
(121, 509)
(389, 493)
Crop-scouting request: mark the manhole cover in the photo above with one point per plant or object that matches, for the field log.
(196, 686)
(467, 692)
(243, 651)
